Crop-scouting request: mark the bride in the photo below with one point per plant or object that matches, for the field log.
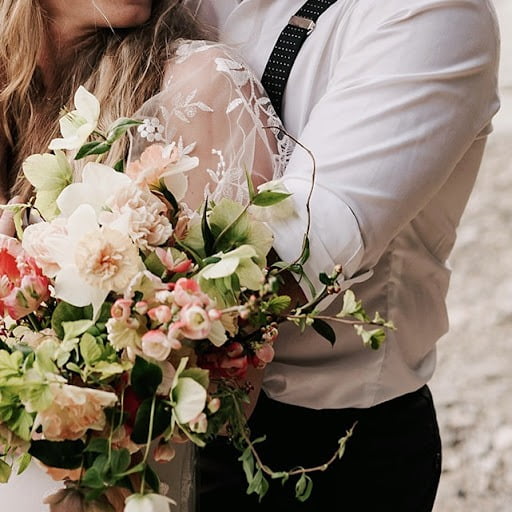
(148, 57)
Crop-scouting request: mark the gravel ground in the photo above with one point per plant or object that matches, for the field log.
(472, 386)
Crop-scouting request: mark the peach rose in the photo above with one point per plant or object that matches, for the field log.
(73, 411)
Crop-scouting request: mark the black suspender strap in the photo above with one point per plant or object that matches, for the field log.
(287, 48)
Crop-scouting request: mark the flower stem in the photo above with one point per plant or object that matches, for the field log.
(148, 444)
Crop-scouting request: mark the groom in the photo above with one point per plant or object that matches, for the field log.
(395, 101)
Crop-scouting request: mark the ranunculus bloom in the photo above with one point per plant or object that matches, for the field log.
(148, 503)
(22, 284)
(140, 214)
(156, 345)
(159, 162)
(74, 410)
(38, 240)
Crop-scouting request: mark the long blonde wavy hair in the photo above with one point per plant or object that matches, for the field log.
(122, 68)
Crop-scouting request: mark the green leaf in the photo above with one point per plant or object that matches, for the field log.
(119, 166)
(75, 328)
(58, 454)
(279, 304)
(120, 461)
(325, 279)
(154, 265)
(24, 462)
(65, 312)
(198, 374)
(169, 196)
(325, 330)
(93, 479)
(119, 128)
(269, 198)
(5, 472)
(350, 305)
(305, 252)
(250, 185)
(92, 148)
(209, 239)
(97, 445)
(161, 421)
(145, 378)
(151, 478)
(303, 487)
(90, 349)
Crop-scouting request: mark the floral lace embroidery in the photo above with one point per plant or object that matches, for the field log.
(227, 179)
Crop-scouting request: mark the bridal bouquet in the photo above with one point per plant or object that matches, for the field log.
(129, 321)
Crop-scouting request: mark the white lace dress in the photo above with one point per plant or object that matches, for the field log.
(216, 106)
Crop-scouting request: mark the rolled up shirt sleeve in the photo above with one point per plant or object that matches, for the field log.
(413, 86)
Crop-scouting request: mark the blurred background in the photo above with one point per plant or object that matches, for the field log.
(472, 386)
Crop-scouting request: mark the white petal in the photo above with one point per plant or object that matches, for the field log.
(82, 221)
(87, 105)
(190, 398)
(70, 287)
(217, 334)
(223, 268)
(177, 184)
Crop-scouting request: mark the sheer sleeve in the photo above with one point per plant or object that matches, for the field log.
(213, 108)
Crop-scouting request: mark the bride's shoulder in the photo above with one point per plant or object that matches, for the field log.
(208, 59)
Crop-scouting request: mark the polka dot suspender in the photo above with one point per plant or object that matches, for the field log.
(287, 48)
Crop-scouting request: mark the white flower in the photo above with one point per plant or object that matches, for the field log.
(93, 261)
(77, 125)
(151, 129)
(239, 261)
(99, 183)
(188, 396)
(121, 335)
(148, 503)
(106, 259)
(49, 174)
(140, 214)
(148, 285)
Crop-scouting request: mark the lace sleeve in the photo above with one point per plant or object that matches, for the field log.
(212, 107)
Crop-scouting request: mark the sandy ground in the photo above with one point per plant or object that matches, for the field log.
(472, 386)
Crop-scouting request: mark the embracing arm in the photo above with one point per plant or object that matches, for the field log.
(412, 90)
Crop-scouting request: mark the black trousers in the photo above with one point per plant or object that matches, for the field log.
(392, 462)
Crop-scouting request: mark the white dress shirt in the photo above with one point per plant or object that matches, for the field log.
(395, 100)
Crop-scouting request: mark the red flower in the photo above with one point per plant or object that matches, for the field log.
(23, 287)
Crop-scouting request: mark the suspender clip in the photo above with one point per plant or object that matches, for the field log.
(301, 22)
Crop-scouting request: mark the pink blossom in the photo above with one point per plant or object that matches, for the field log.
(153, 163)
(214, 405)
(164, 452)
(187, 291)
(161, 314)
(199, 424)
(141, 307)
(196, 322)
(176, 266)
(265, 353)
(156, 345)
(121, 309)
